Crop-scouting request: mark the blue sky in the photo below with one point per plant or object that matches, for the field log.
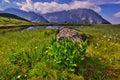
(109, 9)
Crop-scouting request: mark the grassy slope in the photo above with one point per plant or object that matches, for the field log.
(11, 22)
(5, 21)
(21, 55)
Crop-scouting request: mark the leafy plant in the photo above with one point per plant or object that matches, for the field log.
(67, 54)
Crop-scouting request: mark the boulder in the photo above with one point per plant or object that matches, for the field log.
(72, 34)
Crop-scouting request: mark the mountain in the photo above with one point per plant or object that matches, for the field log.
(7, 18)
(8, 15)
(34, 17)
(2, 11)
(76, 16)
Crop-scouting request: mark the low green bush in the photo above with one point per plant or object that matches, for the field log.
(67, 54)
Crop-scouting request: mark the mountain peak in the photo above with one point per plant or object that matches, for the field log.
(76, 16)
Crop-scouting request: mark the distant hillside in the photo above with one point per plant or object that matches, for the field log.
(34, 17)
(76, 16)
(7, 18)
(8, 15)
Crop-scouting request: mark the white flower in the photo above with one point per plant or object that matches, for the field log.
(25, 75)
(104, 36)
(108, 39)
(96, 47)
(46, 51)
(18, 76)
(97, 44)
(99, 58)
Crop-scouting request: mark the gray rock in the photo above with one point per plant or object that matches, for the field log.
(70, 33)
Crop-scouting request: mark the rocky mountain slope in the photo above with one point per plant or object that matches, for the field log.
(32, 16)
(76, 16)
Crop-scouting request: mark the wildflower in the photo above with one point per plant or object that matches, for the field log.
(36, 47)
(108, 39)
(18, 76)
(96, 47)
(97, 44)
(25, 75)
(46, 51)
(99, 58)
(110, 60)
(104, 36)
(116, 34)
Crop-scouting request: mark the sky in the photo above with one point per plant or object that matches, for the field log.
(108, 9)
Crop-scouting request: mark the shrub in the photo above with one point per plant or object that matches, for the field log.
(67, 54)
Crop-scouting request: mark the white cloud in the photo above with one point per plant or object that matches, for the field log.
(117, 14)
(118, 2)
(27, 6)
(48, 7)
(99, 2)
(1, 9)
(6, 1)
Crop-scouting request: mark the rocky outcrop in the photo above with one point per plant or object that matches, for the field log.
(72, 34)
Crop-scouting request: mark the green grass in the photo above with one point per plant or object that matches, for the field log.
(10, 21)
(104, 52)
(11, 24)
(25, 55)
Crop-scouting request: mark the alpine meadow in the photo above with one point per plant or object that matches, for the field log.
(59, 40)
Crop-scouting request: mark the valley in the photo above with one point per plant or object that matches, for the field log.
(38, 54)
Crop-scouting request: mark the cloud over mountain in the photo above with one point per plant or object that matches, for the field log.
(48, 7)
(117, 14)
